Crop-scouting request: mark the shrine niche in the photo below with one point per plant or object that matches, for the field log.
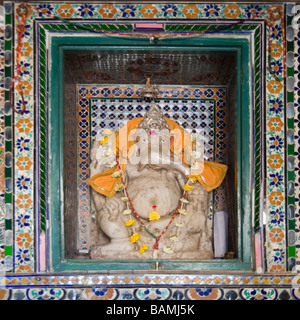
(115, 197)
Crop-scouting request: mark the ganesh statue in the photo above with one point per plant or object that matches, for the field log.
(151, 191)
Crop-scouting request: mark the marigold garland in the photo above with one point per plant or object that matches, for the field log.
(154, 216)
(135, 237)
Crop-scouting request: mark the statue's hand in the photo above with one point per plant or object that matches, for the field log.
(112, 207)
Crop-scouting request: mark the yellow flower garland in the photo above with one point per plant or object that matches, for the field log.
(135, 237)
(130, 223)
(154, 216)
(143, 248)
(187, 187)
(104, 140)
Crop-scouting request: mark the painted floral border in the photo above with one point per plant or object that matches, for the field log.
(22, 259)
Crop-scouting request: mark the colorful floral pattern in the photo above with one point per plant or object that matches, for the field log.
(24, 124)
(107, 11)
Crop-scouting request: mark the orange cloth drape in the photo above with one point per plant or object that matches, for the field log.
(211, 177)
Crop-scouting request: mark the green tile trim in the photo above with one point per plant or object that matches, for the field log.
(8, 145)
(43, 129)
(257, 130)
(290, 175)
(43, 110)
(68, 25)
(244, 261)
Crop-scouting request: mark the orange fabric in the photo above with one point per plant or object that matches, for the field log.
(211, 177)
(105, 183)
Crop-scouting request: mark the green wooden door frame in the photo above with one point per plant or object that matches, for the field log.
(241, 46)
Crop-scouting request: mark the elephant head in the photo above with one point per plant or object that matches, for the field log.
(153, 143)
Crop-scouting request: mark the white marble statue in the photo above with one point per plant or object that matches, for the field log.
(149, 217)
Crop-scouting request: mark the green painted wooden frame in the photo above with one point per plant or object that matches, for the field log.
(244, 153)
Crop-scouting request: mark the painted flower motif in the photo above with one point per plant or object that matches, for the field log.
(45, 9)
(170, 10)
(23, 255)
(154, 216)
(277, 143)
(277, 179)
(24, 68)
(24, 163)
(143, 248)
(187, 187)
(22, 183)
(128, 11)
(22, 144)
(212, 10)
(276, 67)
(232, 11)
(149, 11)
(276, 235)
(275, 161)
(274, 86)
(276, 198)
(65, 11)
(277, 32)
(277, 216)
(23, 220)
(24, 239)
(22, 108)
(107, 11)
(129, 223)
(190, 11)
(24, 201)
(24, 269)
(24, 125)
(277, 268)
(135, 237)
(276, 50)
(86, 10)
(276, 105)
(275, 124)
(253, 10)
(279, 255)
(26, 49)
(258, 294)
